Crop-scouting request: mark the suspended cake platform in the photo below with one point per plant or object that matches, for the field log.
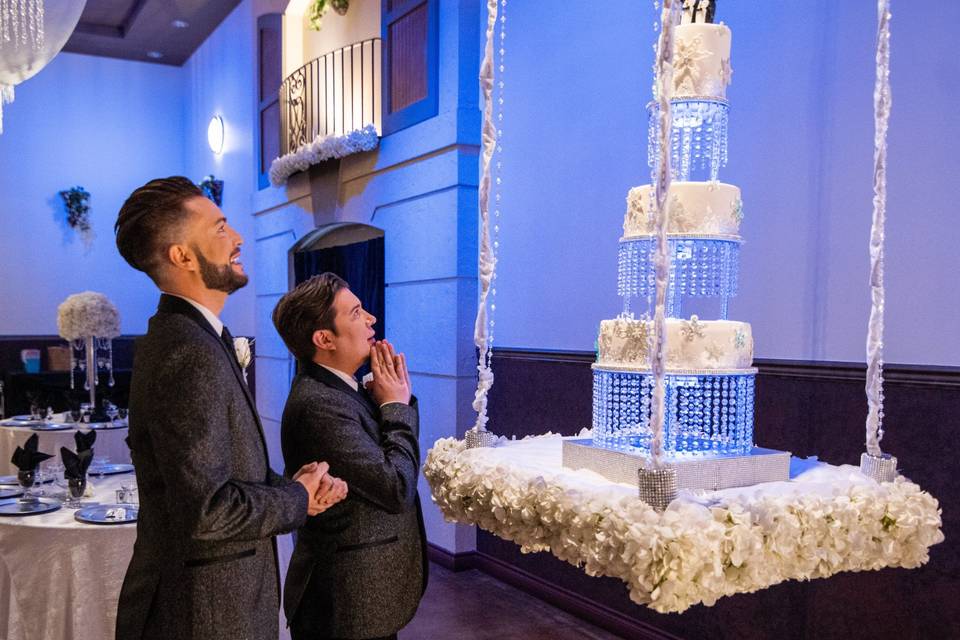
(706, 545)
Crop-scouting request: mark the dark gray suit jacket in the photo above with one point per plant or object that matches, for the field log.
(358, 569)
(204, 564)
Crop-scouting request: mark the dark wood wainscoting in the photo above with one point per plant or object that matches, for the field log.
(808, 408)
(52, 388)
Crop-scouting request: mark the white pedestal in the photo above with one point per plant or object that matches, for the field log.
(698, 473)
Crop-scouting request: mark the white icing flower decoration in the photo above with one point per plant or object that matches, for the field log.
(740, 339)
(714, 351)
(691, 329)
(726, 72)
(686, 72)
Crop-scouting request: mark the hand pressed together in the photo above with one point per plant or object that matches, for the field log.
(391, 380)
(323, 489)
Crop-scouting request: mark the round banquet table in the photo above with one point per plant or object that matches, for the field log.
(60, 579)
(110, 444)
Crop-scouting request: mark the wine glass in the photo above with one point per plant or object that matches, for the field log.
(27, 479)
(111, 410)
(76, 487)
(55, 471)
(99, 465)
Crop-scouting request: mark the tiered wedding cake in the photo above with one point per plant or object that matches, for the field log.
(709, 374)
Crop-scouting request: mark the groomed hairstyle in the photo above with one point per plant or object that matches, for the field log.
(149, 220)
(306, 309)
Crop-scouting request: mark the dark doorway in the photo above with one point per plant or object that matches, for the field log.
(354, 252)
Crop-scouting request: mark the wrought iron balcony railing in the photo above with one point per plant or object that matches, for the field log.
(332, 95)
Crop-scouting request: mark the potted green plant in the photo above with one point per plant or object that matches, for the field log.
(319, 7)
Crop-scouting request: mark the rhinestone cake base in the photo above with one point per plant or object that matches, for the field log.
(698, 473)
(882, 468)
(657, 487)
(475, 438)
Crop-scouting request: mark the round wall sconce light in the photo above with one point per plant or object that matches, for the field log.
(215, 134)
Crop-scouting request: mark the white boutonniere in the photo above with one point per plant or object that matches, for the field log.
(244, 355)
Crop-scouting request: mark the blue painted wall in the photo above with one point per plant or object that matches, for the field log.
(108, 125)
(220, 78)
(577, 79)
(111, 125)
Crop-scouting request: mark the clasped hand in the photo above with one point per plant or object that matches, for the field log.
(391, 380)
(323, 489)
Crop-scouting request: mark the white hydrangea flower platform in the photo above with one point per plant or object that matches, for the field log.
(825, 520)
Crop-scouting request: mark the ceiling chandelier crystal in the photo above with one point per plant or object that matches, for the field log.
(22, 22)
(31, 34)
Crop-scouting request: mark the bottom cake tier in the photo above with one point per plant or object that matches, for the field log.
(706, 412)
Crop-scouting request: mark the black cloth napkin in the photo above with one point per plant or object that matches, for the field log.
(85, 440)
(27, 458)
(75, 465)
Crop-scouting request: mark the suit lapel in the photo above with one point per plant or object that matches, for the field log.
(173, 304)
(321, 374)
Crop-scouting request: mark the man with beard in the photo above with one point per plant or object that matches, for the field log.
(204, 564)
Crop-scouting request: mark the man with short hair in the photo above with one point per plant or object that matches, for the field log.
(359, 569)
(204, 564)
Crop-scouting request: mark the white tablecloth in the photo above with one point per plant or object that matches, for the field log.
(59, 578)
(110, 444)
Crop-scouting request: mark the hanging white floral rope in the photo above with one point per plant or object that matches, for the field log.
(487, 260)
(661, 259)
(881, 115)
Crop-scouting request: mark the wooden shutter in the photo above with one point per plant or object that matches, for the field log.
(270, 76)
(409, 31)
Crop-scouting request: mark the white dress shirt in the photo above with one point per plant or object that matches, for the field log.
(211, 317)
(350, 380)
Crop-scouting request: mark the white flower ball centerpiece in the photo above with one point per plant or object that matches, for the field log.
(89, 321)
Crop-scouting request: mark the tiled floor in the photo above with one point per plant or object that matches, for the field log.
(471, 605)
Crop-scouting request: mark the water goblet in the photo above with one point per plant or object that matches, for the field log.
(39, 478)
(27, 479)
(55, 470)
(98, 466)
(76, 487)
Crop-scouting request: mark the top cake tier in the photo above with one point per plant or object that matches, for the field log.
(701, 61)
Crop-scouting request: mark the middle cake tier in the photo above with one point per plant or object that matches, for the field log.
(703, 242)
(694, 208)
(692, 345)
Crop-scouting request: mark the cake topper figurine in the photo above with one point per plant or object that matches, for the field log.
(705, 10)
(698, 11)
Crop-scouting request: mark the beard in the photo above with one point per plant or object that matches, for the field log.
(220, 277)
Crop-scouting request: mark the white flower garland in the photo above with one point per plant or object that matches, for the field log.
(323, 148)
(88, 314)
(692, 553)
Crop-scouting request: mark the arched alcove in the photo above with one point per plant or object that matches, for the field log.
(353, 251)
